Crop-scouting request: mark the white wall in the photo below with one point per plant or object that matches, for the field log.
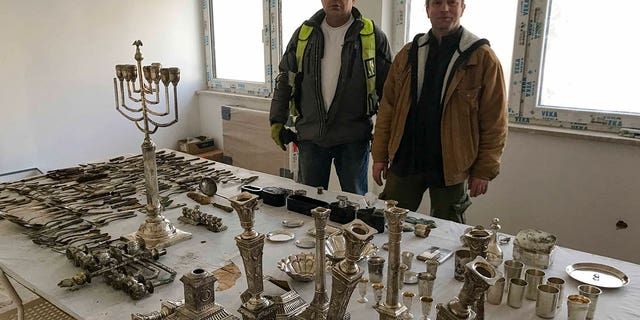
(58, 60)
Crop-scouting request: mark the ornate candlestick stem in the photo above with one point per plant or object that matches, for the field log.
(478, 241)
(391, 309)
(479, 275)
(156, 231)
(346, 274)
(251, 244)
(320, 305)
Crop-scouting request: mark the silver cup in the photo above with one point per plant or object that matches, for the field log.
(515, 293)
(495, 292)
(591, 292)
(546, 301)
(425, 284)
(534, 277)
(512, 269)
(432, 266)
(577, 307)
(401, 271)
(376, 268)
(407, 258)
(462, 257)
(426, 303)
(558, 283)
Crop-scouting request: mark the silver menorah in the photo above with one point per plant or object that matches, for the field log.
(156, 231)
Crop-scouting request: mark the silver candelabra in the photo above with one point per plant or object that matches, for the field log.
(156, 231)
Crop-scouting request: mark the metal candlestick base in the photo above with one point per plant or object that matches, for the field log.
(479, 275)
(156, 232)
(199, 302)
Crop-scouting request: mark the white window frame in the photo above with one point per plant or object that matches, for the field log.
(524, 87)
(270, 39)
(526, 80)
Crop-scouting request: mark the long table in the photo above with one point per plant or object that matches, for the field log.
(40, 269)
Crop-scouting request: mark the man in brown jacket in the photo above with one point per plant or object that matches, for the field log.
(442, 121)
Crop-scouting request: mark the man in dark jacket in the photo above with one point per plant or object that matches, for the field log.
(332, 100)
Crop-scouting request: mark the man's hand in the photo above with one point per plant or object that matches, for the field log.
(477, 186)
(380, 171)
(276, 128)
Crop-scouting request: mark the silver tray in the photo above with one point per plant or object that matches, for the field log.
(597, 274)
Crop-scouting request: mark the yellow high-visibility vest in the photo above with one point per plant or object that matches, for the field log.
(368, 40)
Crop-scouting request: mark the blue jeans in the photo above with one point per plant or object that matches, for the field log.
(351, 161)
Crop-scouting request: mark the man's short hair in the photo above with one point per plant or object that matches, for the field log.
(426, 2)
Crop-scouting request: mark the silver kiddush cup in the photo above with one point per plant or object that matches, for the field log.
(534, 277)
(512, 269)
(546, 301)
(495, 292)
(515, 292)
(376, 267)
(591, 292)
(558, 283)
(425, 284)
(577, 307)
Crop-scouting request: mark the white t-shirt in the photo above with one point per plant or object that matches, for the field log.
(332, 59)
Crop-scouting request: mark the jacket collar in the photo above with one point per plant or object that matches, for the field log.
(466, 41)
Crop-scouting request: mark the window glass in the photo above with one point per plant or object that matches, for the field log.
(238, 48)
(294, 13)
(494, 20)
(588, 61)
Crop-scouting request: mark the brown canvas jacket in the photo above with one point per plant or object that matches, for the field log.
(474, 117)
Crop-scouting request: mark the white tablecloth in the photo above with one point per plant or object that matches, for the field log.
(40, 269)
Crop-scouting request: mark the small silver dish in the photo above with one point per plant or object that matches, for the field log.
(335, 247)
(306, 243)
(280, 236)
(300, 267)
(292, 223)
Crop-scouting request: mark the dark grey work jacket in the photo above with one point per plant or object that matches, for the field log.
(347, 120)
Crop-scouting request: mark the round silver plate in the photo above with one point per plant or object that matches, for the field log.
(597, 274)
(280, 236)
(292, 223)
(306, 243)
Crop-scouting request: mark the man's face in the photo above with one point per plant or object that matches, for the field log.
(337, 8)
(445, 15)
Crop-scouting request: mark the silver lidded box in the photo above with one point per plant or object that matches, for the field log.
(534, 248)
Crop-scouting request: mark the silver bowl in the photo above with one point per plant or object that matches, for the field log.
(300, 267)
(335, 247)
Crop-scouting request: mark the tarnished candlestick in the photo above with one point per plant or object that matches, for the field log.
(391, 309)
(346, 274)
(251, 244)
(156, 231)
(479, 275)
(478, 241)
(199, 301)
(320, 305)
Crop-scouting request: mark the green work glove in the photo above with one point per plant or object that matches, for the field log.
(276, 128)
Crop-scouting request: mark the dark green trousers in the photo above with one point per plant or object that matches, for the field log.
(447, 203)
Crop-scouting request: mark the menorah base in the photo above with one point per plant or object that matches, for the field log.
(159, 234)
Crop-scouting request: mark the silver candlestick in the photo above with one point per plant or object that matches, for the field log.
(479, 275)
(320, 305)
(391, 309)
(156, 231)
(478, 241)
(251, 245)
(346, 274)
